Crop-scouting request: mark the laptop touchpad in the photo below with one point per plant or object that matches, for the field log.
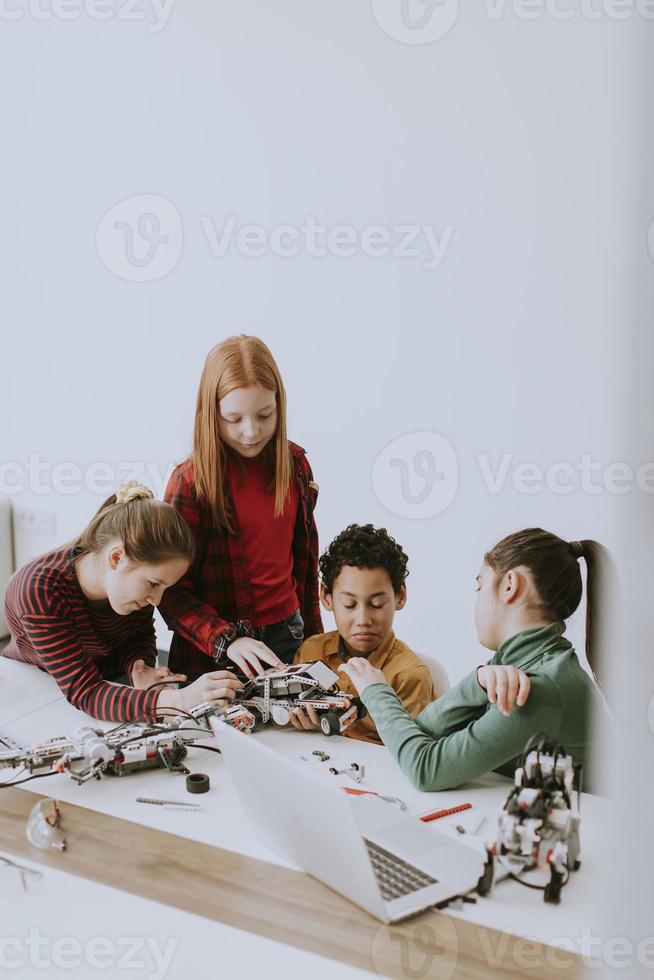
(411, 839)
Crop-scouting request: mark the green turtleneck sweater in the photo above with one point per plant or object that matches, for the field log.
(461, 736)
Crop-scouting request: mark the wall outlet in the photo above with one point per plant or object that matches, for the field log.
(44, 521)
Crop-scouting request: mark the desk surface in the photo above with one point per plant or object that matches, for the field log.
(24, 689)
(221, 823)
(166, 943)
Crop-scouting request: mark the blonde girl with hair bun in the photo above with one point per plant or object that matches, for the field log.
(84, 612)
(248, 495)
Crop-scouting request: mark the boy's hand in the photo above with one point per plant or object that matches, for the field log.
(505, 686)
(143, 676)
(305, 719)
(362, 674)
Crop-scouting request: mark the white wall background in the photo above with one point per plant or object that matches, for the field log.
(510, 131)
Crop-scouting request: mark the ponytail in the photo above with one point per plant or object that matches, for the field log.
(554, 565)
(600, 604)
(150, 530)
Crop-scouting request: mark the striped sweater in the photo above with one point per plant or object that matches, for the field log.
(53, 625)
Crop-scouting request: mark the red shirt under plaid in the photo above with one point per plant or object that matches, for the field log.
(213, 601)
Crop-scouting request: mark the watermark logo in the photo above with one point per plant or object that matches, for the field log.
(140, 239)
(317, 240)
(416, 21)
(42, 952)
(417, 475)
(650, 239)
(562, 477)
(154, 13)
(42, 477)
(417, 952)
(426, 21)
(566, 10)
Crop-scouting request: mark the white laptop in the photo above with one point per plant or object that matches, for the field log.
(368, 850)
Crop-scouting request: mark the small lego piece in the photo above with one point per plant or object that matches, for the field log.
(355, 772)
(197, 782)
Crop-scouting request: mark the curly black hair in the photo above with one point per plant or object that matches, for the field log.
(364, 546)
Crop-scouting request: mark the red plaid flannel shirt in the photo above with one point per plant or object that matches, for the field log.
(214, 600)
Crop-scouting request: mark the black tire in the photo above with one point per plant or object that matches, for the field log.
(362, 711)
(485, 883)
(329, 723)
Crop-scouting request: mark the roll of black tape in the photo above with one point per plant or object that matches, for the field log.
(197, 782)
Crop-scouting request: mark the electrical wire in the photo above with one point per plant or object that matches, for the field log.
(158, 730)
(151, 687)
(529, 884)
(170, 712)
(39, 775)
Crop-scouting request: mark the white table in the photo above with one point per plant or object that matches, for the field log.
(511, 907)
(81, 924)
(23, 689)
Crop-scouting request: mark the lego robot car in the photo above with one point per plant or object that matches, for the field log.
(273, 695)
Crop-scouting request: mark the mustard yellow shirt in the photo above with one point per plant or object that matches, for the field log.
(404, 672)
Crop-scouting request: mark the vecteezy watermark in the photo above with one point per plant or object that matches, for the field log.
(43, 477)
(154, 13)
(564, 477)
(426, 21)
(559, 953)
(339, 241)
(141, 238)
(417, 951)
(99, 953)
(430, 949)
(416, 21)
(565, 10)
(416, 476)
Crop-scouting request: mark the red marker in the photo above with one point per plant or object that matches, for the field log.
(445, 813)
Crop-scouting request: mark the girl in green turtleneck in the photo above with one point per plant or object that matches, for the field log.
(527, 586)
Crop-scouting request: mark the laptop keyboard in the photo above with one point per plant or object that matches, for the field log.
(395, 877)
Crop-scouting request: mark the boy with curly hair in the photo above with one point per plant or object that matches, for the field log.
(363, 574)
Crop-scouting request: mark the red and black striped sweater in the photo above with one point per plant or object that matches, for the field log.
(53, 625)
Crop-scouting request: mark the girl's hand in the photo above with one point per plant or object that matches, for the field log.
(143, 675)
(362, 674)
(505, 686)
(247, 654)
(305, 720)
(217, 687)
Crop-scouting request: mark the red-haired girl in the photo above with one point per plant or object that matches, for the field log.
(248, 495)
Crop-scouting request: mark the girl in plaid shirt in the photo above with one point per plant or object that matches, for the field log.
(250, 596)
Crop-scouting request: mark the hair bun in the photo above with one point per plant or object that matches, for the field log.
(131, 490)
